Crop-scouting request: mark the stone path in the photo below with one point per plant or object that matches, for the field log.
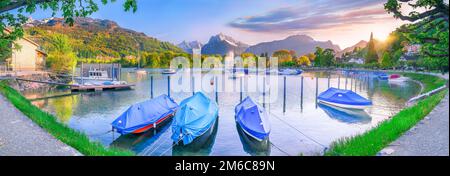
(19, 136)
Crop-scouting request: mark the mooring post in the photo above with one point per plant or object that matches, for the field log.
(339, 81)
(151, 86)
(217, 94)
(193, 85)
(284, 95)
(317, 89)
(168, 86)
(301, 93)
(264, 91)
(329, 77)
(240, 94)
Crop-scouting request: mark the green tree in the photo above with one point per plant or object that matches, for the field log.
(386, 60)
(371, 56)
(61, 58)
(324, 58)
(429, 28)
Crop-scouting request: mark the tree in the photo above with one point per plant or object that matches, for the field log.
(69, 8)
(429, 28)
(324, 58)
(61, 58)
(304, 60)
(371, 56)
(283, 56)
(386, 60)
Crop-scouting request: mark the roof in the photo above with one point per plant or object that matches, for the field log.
(28, 40)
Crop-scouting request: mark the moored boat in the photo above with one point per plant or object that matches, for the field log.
(194, 118)
(169, 71)
(253, 119)
(396, 78)
(344, 99)
(291, 72)
(146, 115)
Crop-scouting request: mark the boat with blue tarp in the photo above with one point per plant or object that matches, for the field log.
(253, 119)
(146, 115)
(344, 99)
(194, 118)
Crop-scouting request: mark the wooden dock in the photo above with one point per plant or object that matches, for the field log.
(99, 88)
(80, 88)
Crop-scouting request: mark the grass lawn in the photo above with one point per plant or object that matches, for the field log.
(376, 139)
(71, 137)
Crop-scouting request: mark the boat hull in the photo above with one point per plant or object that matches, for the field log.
(346, 106)
(252, 146)
(155, 125)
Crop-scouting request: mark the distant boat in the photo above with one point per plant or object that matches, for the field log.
(346, 115)
(382, 76)
(253, 119)
(271, 72)
(290, 72)
(169, 71)
(141, 71)
(396, 78)
(146, 115)
(344, 99)
(194, 118)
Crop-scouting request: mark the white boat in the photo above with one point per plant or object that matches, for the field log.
(397, 78)
(169, 71)
(96, 75)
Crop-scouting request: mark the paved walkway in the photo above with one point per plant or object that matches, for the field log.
(19, 136)
(430, 137)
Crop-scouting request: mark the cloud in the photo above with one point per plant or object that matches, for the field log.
(314, 16)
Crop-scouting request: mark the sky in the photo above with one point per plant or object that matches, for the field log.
(344, 22)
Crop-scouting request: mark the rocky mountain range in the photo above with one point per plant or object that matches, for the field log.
(188, 46)
(222, 44)
(361, 44)
(301, 44)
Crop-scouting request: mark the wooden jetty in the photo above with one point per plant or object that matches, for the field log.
(97, 88)
(78, 88)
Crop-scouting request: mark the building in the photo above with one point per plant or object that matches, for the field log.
(28, 57)
(356, 60)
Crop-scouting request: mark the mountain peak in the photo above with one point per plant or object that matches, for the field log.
(223, 44)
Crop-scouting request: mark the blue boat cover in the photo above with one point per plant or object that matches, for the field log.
(341, 96)
(253, 118)
(195, 116)
(143, 114)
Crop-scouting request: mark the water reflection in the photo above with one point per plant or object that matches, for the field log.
(252, 146)
(346, 115)
(200, 146)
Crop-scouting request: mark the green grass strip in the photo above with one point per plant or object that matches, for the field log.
(60, 131)
(376, 139)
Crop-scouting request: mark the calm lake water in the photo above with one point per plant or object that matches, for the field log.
(304, 128)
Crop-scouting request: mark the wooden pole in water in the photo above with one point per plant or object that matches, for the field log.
(339, 81)
(317, 89)
(240, 94)
(301, 93)
(193, 85)
(81, 74)
(217, 94)
(329, 77)
(264, 91)
(151, 87)
(351, 83)
(284, 95)
(168, 86)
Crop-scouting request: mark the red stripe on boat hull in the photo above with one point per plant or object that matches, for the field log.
(146, 128)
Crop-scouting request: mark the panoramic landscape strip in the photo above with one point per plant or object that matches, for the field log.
(217, 78)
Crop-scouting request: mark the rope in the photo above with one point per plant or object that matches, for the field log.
(174, 144)
(279, 149)
(156, 144)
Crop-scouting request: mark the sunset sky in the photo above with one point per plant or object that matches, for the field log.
(344, 22)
